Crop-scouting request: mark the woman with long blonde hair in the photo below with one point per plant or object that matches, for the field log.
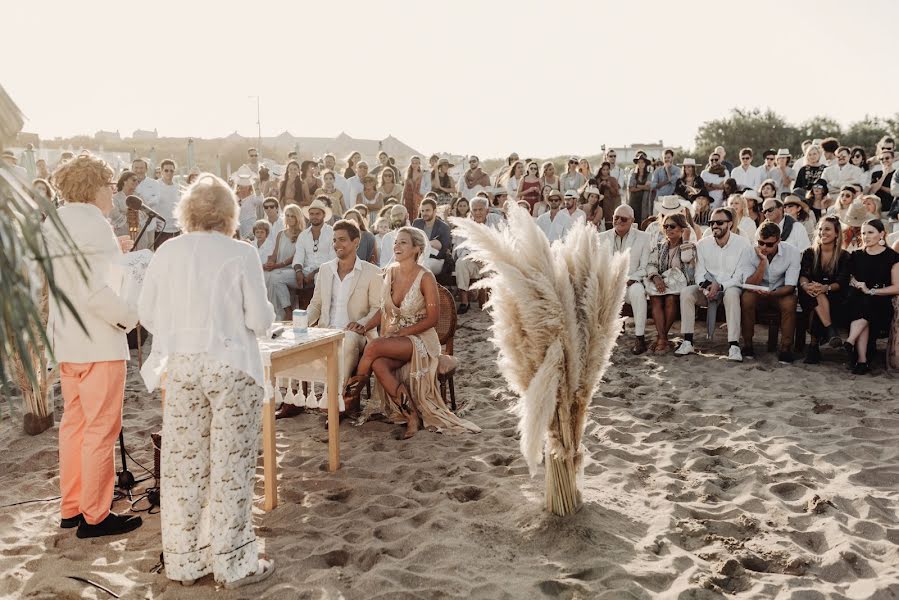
(278, 271)
(742, 224)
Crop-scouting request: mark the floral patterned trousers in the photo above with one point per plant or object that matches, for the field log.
(210, 436)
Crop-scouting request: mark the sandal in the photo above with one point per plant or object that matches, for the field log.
(264, 569)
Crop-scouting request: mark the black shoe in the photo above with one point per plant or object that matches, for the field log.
(639, 347)
(813, 355)
(785, 357)
(853, 355)
(748, 352)
(463, 308)
(833, 337)
(113, 524)
(70, 522)
(861, 368)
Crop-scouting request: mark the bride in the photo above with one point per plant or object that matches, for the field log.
(404, 357)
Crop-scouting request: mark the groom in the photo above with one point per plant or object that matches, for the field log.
(347, 294)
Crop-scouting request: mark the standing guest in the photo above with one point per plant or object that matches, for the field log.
(812, 170)
(413, 188)
(790, 231)
(859, 158)
(253, 160)
(267, 186)
(555, 222)
(529, 187)
(169, 195)
(572, 179)
(881, 180)
(355, 182)
(774, 266)
(351, 161)
(829, 146)
(41, 169)
(796, 207)
(615, 171)
(745, 226)
(91, 350)
(549, 177)
(583, 167)
(542, 205)
(689, 185)
(718, 271)
(671, 267)
(147, 187)
(387, 185)
(874, 281)
(714, 175)
(384, 164)
(340, 181)
(817, 197)
(278, 269)
(193, 176)
(438, 234)
(250, 205)
(214, 382)
(516, 172)
(315, 244)
(610, 191)
(665, 177)
(398, 218)
(728, 166)
(292, 189)
(639, 197)
(472, 178)
(272, 212)
(768, 164)
(842, 172)
(370, 197)
(823, 283)
(367, 249)
(746, 175)
(467, 269)
(123, 219)
(43, 187)
(625, 236)
(329, 189)
(309, 174)
(409, 312)
(263, 240)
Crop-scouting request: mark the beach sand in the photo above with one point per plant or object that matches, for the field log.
(705, 478)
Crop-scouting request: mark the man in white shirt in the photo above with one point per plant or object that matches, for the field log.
(746, 175)
(719, 266)
(775, 266)
(13, 162)
(272, 211)
(767, 164)
(842, 172)
(782, 174)
(252, 160)
(147, 187)
(555, 222)
(574, 212)
(466, 268)
(792, 231)
(347, 295)
(250, 205)
(315, 244)
(625, 236)
(355, 184)
(713, 176)
(169, 195)
(617, 172)
(340, 182)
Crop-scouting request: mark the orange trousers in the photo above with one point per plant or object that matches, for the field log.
(93, 394)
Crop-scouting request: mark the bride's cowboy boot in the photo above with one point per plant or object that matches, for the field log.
(352, 393)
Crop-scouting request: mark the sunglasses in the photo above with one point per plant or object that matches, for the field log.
(714, 160)
(769, 158)
(719, 222)
(746, 157)
(671, 226)
(572, 162)
(621, 219)
(613, 156)
(254, 156)
(168, 170)
(766, 244)
(772, 209)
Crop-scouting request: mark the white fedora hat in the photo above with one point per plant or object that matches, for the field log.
(320, 205)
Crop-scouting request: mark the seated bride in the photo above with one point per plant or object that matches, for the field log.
(404, 358)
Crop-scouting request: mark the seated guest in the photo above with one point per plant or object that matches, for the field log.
(272, 211)
(872, 206)
(817, 198)
(214, 382)
(404, 358)
(844, 201)
(743, 224)
(718, 273)
(263, 240)
(368, 246)
(555, 222)
(398, 218)
(347, 294)
(796, 207)
(774, 266)
(438, 233)
(670, 269)
(702, 209)
(790, 231)
(625, 235)
(689, 184)
(459, 208)
(466, 268)
(315, 246)
(278, 270)
(669, 205)
(92, 350)
(852, 221)
(250, 204)
(823, 284)
(874, 281)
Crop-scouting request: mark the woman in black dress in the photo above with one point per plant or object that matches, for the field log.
(874, 271)
(690, 184)
(823, 281)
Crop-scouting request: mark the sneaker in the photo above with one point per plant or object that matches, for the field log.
(684, 349)
(113, 524)
(785, 357)
(734, 354)
(70, 522)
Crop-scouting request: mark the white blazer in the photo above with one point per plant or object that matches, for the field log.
(105, 315)
(204, 293)
(638, 243)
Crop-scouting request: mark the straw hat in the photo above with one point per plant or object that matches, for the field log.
(688, 162)
(444, 162)
(571, 194)
(555, 193)
(856, 215)
(751, 194)
(783, 153)
(791, 198)
(592, 190)
(320, 206)
(669, 205)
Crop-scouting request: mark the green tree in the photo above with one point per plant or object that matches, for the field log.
(746, 128)
(866, 133)
(819, 127)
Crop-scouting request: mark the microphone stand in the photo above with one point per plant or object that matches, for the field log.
(126, 479)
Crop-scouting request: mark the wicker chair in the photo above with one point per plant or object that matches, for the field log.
(446, 330)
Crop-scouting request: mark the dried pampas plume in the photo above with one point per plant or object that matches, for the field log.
(556, 318)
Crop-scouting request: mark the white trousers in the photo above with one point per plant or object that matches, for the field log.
(636, 297)
(692, 295)
(278, 284)
(435, 265)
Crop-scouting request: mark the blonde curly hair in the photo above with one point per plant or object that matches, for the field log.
(81, 178)
(208, 205)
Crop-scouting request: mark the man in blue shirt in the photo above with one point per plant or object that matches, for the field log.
(664, 178)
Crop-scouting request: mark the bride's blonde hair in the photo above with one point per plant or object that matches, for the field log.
(418, 239)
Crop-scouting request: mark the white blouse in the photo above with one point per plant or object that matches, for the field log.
(204, 292)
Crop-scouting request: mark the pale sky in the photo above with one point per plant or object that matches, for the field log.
(471, 76)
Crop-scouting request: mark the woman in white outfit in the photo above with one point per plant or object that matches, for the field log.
(279, 275)
(204, 301)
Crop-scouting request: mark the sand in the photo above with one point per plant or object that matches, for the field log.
(706, 479)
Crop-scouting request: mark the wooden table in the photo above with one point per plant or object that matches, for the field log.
(279, 356)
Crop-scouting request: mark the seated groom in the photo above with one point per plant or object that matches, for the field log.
(625, 235)
(347, 294)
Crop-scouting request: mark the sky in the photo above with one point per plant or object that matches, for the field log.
(484, 77)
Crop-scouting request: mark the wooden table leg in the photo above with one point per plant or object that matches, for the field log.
(269, 459)
(333, 408)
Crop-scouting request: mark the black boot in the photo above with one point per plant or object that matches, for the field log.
(853, 355)
(832, 337)
(813, 354)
